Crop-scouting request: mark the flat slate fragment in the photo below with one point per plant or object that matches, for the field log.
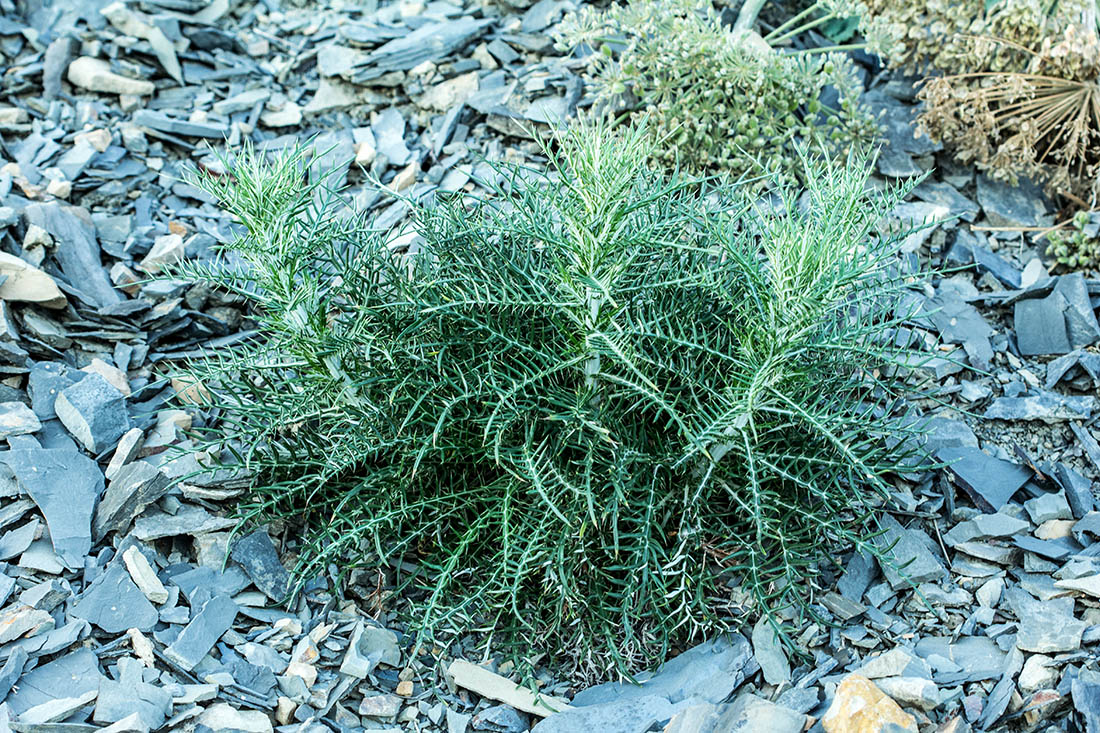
(912, 561)
(12, 670)
(80, 257)
(163, 123)
(215, 582)
(628, 715)
(1081, 324)
(1085, 694)
(858, 574)
(130, 695)
(17, 419)
(137, 485)
(190, 520)
(1040, 326)
(94, 412)
(45, 382)
(751, 713)
(1020, 205)
(989, 481)
(1049, 407)
(769, 653)
(207, 625)
(74, 674)
(260, 560)
(1045, 626)
(1049, 549)
(427, 43)
(16, 541)
(65, 485)
(114, 603)
(709, 671)
(1078, 490)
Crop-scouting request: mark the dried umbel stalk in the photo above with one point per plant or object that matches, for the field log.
(1013, 85)
(1042, 121)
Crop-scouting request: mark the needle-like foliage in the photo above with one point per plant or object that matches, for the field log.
(597, 409)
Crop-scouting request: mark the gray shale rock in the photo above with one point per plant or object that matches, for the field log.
(114, 603)
(709, 672)
(136, 486)
(911, 560)
(94, 411)
(208, 623)
(260, 560)
(65, 485)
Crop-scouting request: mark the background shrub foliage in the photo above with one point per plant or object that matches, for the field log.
(1013, 87)
(722, 100)
(597, 410)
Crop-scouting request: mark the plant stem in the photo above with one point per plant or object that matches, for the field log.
(791, 21)
(774, 39)
(827, 49)
(749, 12)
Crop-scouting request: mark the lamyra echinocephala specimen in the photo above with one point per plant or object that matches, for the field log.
(598, 408)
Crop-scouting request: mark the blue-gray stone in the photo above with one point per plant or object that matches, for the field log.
(257, 555)
(207, 625)
(1007, 205)
(429, 42)
(858, 574)
(65, 485)
(1049, 407)
(77, 251)
(136, 485)
(1078, 490)
(990, 482)
(16, 541)
(1081, 324)
(69, 676)
(636, 714)
(12, 670)
(45, 382)
(1041, 326)
(709, 672)
(114, 603)
(751, 713)
(129, 695)
(195, 580)
(76, 159)
(94, 411)
(995, 265)
(501, 719)
(159, 121)
(906, 557)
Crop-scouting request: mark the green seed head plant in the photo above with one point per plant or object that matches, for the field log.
(720, 100)
(1078, 248)
(946, 37)
(596, 410)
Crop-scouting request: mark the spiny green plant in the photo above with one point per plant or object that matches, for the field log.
(721, 100)
(596, 408)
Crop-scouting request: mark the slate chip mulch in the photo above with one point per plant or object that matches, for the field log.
(125, 604)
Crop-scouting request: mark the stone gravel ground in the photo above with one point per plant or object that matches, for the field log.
(119, 609)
